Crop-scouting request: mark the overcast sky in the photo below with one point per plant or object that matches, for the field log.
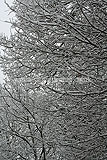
(4, 27)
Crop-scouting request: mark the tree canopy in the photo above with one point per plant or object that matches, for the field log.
(55, 95)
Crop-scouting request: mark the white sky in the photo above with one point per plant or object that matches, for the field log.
(4, 27)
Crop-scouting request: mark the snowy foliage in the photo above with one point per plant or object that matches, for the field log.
(55, 94)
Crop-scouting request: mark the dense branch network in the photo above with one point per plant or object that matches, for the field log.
(55, 96)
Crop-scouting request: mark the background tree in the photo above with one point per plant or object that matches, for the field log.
(60, 46)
